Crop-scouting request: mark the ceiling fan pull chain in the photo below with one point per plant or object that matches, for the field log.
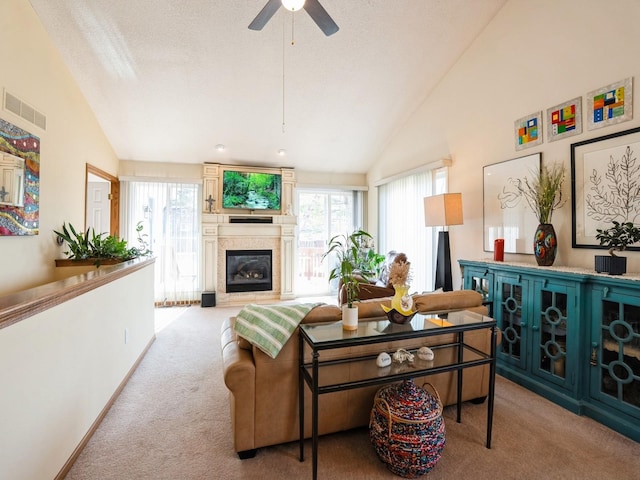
(283, 49)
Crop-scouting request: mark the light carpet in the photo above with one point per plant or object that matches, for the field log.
(172, 421)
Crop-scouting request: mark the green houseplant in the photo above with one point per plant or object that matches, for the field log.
(618, 237)
(100, 248)
(348, 253)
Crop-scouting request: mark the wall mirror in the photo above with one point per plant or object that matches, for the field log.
(11, 180)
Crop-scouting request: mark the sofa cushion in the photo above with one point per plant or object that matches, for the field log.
(323, 313)
(455, 300)
(372, 307)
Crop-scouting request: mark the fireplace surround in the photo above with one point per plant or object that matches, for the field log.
(224, 230)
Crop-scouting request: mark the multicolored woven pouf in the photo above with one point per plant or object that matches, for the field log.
(407, 428)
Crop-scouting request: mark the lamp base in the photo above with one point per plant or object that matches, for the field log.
(443, 263)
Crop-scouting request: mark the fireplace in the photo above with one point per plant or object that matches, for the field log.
(248, 271)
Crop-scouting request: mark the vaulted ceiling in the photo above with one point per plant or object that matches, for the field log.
(169, 80)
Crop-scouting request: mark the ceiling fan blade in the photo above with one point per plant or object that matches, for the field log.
(265, 14)
(321, 17)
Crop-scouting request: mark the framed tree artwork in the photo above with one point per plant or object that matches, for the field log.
(505, 213)
(605, 185)
(564, 120)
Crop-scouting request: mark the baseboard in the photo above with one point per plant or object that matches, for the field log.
(78, 450)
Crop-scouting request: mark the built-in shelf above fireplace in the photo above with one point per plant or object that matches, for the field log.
(250, 219)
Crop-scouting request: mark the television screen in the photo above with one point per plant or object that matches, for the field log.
(251, 190)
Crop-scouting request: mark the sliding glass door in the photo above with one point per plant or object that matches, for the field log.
(170, 216)
(322, 214)
(401, 222)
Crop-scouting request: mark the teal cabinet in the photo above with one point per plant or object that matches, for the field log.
(509, 298)
(538, 317)
(480, 280)
(614, 359)
(570, 335)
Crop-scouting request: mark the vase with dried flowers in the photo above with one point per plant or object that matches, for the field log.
(401, 310)
(543, 194)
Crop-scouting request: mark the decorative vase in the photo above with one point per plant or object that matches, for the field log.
(401, 300)
(349, 317)
(545, 245)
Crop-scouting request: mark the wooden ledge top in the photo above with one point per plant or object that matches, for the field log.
(17, 306)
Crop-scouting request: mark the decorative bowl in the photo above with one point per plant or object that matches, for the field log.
(395, 316)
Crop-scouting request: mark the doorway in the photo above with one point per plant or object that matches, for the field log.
(102, 201)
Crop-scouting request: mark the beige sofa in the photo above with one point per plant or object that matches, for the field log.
(263, 392)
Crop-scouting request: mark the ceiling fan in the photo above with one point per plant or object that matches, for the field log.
(316, 11)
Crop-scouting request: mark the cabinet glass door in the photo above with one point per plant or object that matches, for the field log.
(481, 281)
(551, 328)
(511, 319)
(615, 355)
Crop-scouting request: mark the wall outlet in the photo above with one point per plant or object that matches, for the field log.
(126, 336)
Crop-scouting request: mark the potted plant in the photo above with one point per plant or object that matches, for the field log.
(347, 252)
(617, 237)
(543, 194)
(369, 262)
(99, 248)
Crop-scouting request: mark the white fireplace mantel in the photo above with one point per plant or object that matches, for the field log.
(222, 231)
(220, 235)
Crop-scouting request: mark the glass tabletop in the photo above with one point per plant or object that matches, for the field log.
(368, 329)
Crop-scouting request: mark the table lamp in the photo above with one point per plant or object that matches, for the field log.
(442, 211)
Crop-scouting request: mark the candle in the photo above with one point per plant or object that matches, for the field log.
(498, 249)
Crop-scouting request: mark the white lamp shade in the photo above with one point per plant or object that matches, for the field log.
(443, 210)
(293, 5)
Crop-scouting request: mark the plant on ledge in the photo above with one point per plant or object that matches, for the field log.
(618, 237)
(99, 247)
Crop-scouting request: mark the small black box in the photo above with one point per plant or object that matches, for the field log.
(208, 299)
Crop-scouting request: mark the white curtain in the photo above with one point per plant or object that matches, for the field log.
(170, 216)
(401, 223)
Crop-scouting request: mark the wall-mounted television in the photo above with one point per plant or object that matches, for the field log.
(251, 190)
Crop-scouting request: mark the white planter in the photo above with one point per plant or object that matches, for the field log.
(349, 318)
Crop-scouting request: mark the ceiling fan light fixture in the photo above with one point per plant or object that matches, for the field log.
(293, 5)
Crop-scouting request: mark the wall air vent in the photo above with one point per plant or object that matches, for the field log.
(24, 110)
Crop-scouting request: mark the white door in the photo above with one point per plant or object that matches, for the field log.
(98, 206)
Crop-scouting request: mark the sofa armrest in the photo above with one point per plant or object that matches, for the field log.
(239, 373)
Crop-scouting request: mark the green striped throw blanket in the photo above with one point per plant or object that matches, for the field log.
(268, 327)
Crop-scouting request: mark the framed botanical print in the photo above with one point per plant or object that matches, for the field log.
(505, 213)
(605, 185)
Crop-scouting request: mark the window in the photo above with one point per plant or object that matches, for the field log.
(170, 216)
(322, 214)
(401, 222)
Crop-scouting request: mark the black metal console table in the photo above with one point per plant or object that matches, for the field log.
(326, 336)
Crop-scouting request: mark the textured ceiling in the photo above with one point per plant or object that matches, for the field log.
(168, 80)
